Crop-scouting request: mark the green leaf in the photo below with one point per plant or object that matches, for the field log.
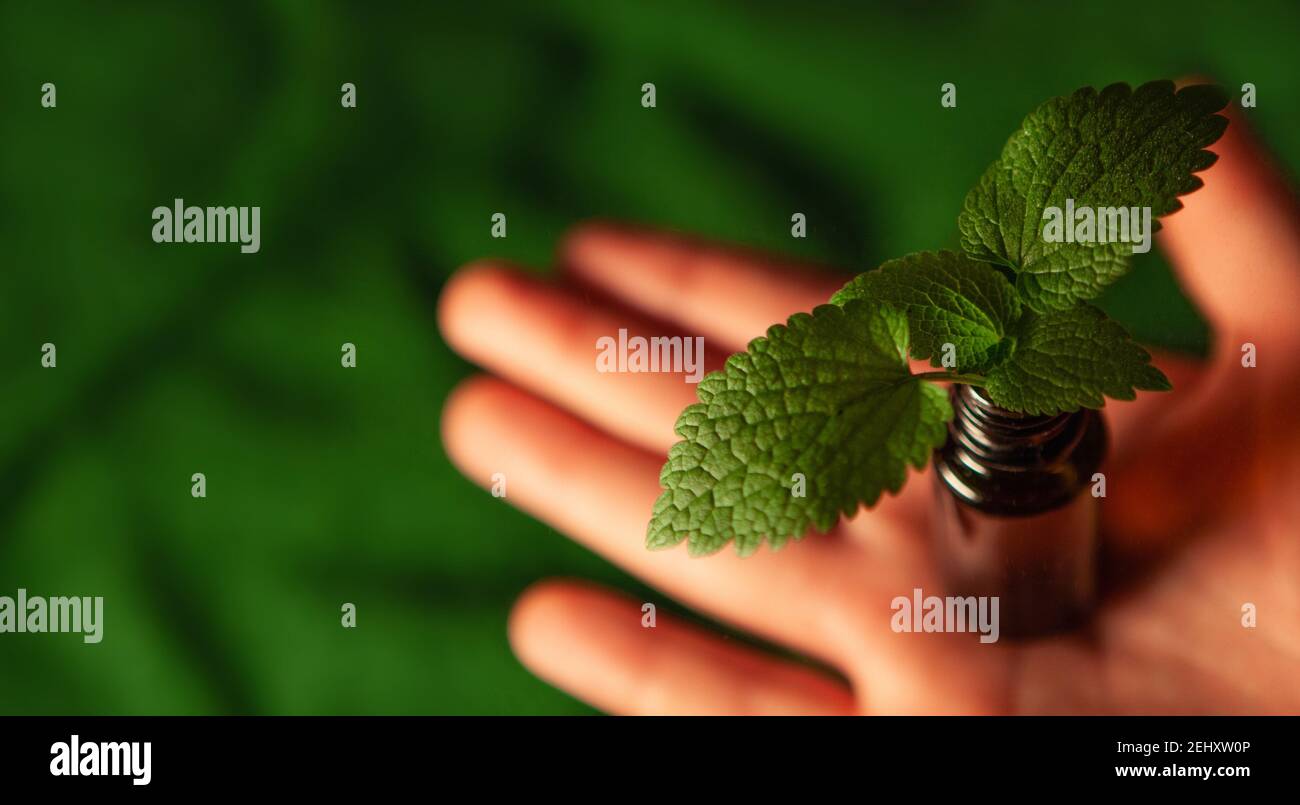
(1115, 148)
(1068, 359)
(949, 299)
(828, 395)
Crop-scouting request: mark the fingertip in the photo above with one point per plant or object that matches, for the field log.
(530, 627)
(469, 291)
(1235, 243)
(592, 246)
(529, 615)
(592, 232)
(467, 408)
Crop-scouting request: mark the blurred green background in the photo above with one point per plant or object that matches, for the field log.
(328, 485)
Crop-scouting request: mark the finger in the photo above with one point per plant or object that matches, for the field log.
(1236, 246)
(594, 644)
(1236, 249)
(729, 295)
(544, 338)
(600, 491)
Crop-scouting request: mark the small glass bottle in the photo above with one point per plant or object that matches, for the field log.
(1015, 516)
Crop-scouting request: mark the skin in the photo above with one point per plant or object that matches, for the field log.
(1202, 493)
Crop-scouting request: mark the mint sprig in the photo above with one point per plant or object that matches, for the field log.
(823, 414)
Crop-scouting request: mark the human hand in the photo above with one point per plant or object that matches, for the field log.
(1203, 493)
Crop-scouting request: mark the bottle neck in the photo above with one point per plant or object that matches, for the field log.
(987, 436)
(1006, 463)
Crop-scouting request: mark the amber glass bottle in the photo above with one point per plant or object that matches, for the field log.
(1016, 517)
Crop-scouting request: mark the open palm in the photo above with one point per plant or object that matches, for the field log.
(1203, 493)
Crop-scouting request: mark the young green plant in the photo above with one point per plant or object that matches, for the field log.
(827, 405)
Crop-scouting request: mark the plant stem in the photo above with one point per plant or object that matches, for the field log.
(952, 377)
